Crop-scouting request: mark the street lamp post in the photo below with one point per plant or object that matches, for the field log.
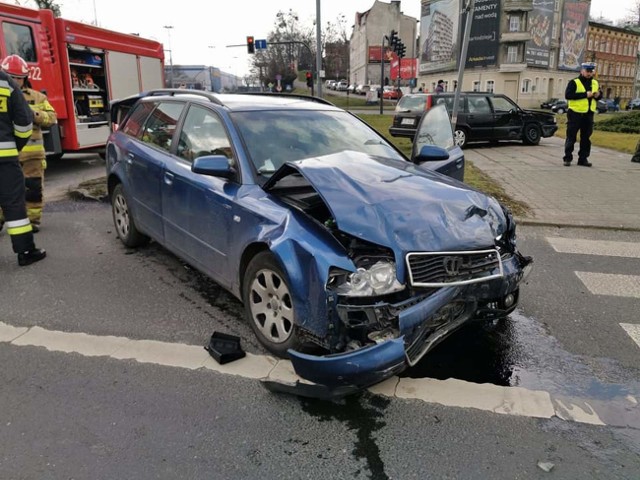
(169, 27)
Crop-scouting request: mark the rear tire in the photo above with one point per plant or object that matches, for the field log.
(123, 221)
(460, 137)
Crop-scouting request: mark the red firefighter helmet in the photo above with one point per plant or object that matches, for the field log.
(15, 66)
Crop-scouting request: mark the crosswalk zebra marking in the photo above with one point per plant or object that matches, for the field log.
(633, 330)
(612, 284)
(595, 247)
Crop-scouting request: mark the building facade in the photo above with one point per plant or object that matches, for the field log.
(526, 49)
(366, 43)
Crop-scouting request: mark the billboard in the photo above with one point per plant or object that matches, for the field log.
(408, 68)
(375, 53)
(484, 40)
(540, 26)
(439, 33)
(573, 34)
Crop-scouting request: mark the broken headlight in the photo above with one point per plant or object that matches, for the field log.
(377, 279)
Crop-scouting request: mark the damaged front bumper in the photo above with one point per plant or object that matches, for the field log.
(421, 326)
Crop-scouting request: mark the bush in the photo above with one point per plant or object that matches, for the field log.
(620, 123)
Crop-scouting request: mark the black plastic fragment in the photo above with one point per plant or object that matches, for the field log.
(224, 348)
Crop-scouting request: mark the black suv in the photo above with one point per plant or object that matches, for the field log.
(481, 117)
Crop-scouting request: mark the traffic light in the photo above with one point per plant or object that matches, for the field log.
(393, 40)
(402, 50)
(251, 46)
(309, 79)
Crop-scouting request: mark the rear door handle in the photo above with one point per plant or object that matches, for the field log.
(129, 158)
(168, 178)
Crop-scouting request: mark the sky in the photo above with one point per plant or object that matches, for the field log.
(202, 31)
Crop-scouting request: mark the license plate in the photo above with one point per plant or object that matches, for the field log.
(407, 121)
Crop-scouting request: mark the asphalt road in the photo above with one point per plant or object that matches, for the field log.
(64, 414)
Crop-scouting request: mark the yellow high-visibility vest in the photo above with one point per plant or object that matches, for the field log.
(582, 105)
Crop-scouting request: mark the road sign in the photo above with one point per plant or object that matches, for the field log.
(261, 44)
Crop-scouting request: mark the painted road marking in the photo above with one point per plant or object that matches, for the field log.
(454, 393)
(612, 284)
(633, 330)
(595, 247)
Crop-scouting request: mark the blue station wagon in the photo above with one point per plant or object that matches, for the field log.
(351, 259)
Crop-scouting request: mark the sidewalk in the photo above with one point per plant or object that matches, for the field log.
(606, 195)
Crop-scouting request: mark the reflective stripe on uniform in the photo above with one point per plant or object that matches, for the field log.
(22, 131)
(18, 227)
(9, 152)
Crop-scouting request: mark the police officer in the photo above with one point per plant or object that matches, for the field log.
(32, 157)
(582, 96)
(15, 129)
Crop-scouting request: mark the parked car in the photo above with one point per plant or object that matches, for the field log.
(560, 107)
(549, 103)
(633, 104)
(328, 234)
(362, 89)
(342, 86)
(391, 93)
(609, 105)
(481, 117)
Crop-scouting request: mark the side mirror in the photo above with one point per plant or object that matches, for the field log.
(431, 153)
(214, 166)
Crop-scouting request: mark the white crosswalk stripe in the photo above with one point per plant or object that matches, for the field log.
(615, 285)
(611, 284)
(595, 247)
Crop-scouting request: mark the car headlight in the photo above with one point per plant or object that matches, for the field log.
(378, 279)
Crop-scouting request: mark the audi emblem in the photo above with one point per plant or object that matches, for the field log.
(452, 265)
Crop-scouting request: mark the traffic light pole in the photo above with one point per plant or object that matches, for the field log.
(380, 97)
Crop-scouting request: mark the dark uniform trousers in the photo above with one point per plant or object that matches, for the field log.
(583, 123)
(12, 192)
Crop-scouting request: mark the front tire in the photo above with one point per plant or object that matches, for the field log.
(532, 134)
(123, 221)
(269, 305)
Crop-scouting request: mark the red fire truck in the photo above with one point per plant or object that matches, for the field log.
(81, 68)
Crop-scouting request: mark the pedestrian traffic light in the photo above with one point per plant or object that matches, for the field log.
(402, 50)
(309, 79)
(251, 46)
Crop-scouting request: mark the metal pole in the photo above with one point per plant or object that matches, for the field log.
(318, 49)
(169, 27)
(381, 72)
(462, 61)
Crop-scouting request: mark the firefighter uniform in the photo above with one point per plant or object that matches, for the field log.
(15, 129)
(32, 157)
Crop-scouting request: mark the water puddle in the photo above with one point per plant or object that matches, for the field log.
(519, 351)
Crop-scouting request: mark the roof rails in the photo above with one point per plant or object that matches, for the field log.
(183, 91)
(288, 95)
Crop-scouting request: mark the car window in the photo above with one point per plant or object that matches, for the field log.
(502, 105)
(275, 137)
(133, 125)
(435, 129)
(414, 103)
(478, 105)
(448, 102)
(161, 124)
(203, 134)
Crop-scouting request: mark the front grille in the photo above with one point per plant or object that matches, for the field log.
(442, 269)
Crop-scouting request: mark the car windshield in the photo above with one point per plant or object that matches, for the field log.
(273, 138)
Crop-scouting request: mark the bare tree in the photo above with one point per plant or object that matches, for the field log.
(633, 14)
(50, 5)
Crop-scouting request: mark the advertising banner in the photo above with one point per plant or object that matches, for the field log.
(408, 68)
(439, 33)
(573, 34)
(375, 53)
(540, 26)
(484, 41)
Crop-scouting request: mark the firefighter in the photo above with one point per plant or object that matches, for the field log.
(32, 157)
(15, 129)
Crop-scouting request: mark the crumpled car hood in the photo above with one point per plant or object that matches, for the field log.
(399, 204)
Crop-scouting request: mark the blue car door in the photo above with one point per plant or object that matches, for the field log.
(198, 209)
(145, 165)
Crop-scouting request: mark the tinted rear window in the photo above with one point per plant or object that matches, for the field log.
(414, 103)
